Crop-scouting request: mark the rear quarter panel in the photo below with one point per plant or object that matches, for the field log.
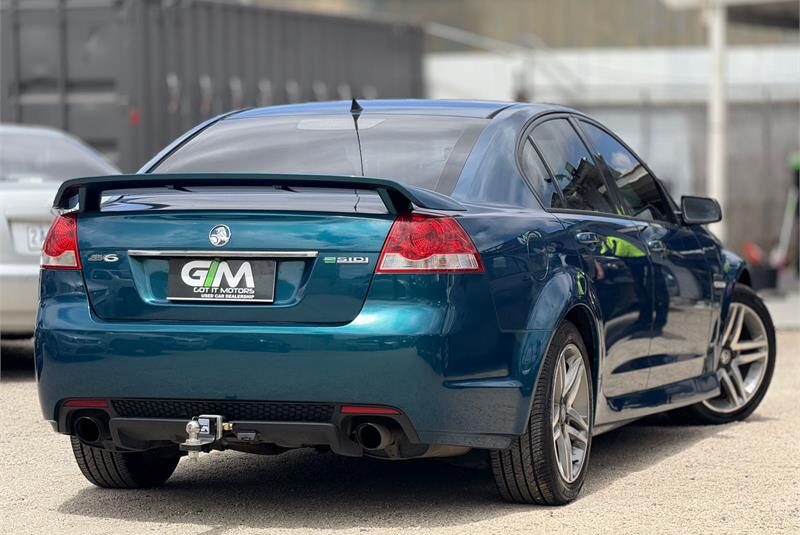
(534, 272)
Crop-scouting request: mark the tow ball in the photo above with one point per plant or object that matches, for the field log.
(203, 431)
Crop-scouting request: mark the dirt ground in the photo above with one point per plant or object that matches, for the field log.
(652, 477)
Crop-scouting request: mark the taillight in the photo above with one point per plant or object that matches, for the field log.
(60, 249)
(428, 244)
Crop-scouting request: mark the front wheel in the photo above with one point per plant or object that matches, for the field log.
(546, 465)
(745, 364)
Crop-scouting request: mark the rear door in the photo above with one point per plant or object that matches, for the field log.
(682, 282)
(612, 251)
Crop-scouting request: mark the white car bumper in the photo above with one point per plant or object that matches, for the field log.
(19, 298)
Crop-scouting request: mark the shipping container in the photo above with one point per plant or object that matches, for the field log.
(128, 76)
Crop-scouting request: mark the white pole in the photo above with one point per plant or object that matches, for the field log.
(716, 19)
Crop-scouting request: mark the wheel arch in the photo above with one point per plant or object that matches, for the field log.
(581, 316)
(570, 296)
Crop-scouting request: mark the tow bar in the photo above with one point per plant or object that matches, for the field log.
(203, 431)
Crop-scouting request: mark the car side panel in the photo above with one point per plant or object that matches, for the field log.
(617, 268)
(682, 332)
(726, 269)
(536, 278)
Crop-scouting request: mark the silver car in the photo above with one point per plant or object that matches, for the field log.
(33, 162)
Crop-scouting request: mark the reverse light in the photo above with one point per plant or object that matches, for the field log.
(428, 244)
(60, 248)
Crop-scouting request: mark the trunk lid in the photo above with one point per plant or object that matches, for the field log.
(152, 266)
(250, 248)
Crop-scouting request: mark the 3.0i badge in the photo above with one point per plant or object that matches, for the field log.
(346, 260)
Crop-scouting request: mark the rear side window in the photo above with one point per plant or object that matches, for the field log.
(640, 193)
(424, 151)
(576, 173)
(540, 179)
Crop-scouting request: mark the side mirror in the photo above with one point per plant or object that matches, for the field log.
(700, 210)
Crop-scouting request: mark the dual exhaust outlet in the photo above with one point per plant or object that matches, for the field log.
(370, 436)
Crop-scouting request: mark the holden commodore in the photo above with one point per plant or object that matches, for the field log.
(393, 279)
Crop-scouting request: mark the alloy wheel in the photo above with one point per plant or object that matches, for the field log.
(570, 413)
(743, 360)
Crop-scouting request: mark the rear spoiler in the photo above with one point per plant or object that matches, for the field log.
(398, 198)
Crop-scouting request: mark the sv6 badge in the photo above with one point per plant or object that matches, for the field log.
(103, 257)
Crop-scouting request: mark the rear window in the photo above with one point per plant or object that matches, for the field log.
(424, 151)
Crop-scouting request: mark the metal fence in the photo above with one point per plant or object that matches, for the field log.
(128, 76)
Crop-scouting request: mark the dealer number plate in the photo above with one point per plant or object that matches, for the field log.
(227, 280)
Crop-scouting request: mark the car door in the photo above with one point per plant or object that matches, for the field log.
(610, 247)
(682, 281)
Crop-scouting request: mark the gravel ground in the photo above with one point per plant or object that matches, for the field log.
(647, 478)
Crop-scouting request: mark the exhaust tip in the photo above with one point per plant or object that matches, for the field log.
(373, 436)
(88, 429)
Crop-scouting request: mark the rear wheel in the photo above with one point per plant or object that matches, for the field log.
(114, 470)
(745, 365)
(547, 464)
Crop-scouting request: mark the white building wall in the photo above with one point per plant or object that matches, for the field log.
(619, 76)
(655, 100)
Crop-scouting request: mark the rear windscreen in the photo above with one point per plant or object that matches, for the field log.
(424, 151)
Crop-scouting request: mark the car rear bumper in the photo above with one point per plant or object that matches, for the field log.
(457, 388)
(19, 284)
(317, 425)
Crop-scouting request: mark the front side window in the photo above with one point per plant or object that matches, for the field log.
(639, 191)
(575, 172)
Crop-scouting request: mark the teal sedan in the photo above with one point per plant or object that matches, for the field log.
(392, 279)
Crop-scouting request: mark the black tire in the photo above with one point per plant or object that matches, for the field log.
(527, 472)
(114, 470)
(702, 414)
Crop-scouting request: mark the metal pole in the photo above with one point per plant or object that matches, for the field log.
(716, 19)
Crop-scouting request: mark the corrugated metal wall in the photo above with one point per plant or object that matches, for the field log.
(128, 76)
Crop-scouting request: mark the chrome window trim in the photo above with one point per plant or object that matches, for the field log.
(225, 253)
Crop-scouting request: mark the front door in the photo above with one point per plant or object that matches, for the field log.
(682, 284)
(684, 299)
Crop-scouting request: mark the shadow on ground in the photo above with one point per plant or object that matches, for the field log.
(305, 489)
(16, 360)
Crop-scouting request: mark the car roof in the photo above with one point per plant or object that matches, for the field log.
(459, 108)
(8, 128)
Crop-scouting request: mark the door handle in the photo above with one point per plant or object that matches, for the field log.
(587, 238)
(656, 246)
